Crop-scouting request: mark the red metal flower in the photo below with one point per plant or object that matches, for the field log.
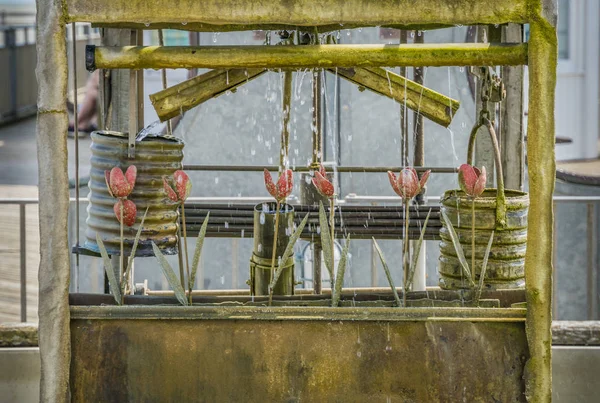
(407, 184)
(182, 186)
(472, 180)
(129, 211)
(120, 185)
(284, 185)
(323, 185)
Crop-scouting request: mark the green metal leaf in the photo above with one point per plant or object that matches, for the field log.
(170, 275)
(339, 279)
(326, 243)
(133, 250)
(289, 249)
(417, 252)
(108, 269)
(484, 266)
(458, 248)
(387, 272)
(198, 251)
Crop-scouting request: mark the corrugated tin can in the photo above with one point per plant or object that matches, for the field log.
(155, 157)
(506, 263)
(260, 262)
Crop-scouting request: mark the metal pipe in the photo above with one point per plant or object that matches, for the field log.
(260, 168)
(306, 56)
(23, 253)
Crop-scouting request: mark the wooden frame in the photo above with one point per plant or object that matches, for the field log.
(54, 335)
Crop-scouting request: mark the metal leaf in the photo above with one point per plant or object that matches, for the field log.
(170, 275)
(108, 269)
(458, 247)
(289, 249)
(133, 250)
(198, 251)
(484, 266)
(326, 243)
(417, 252)
(339, 281)
(387, 272)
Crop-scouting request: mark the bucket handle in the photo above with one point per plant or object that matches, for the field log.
(500, 196)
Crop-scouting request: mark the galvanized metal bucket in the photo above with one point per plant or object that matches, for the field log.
(260, 262)
(155, 157)
(502, 211)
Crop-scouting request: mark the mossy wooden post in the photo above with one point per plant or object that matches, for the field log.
(541, 169)
(54, 271)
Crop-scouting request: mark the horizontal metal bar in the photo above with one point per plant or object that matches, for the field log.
(349, 198)
(308, 56)
(343, 169)
(300, 12)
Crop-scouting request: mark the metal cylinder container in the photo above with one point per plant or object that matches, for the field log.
(155, 157)
(506, 262)
(260, 262)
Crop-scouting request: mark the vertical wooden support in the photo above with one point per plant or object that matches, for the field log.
(541, 169)
(54, 271)
(511, 117)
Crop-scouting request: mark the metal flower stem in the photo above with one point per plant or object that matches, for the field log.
(180, 256)
(332, 230)
(473, 239)
(274, 254)
(405, 253)
(121, 268)
(187, 261)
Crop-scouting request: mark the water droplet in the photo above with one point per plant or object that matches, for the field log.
(349, 137)
(259, 247)
(216, 179)
(252, 151)
(147, 24)
(388, 348)
(358, 354)
(242, 234)
(222, 279)
(184, 23)
(262, 218)
(226, 224)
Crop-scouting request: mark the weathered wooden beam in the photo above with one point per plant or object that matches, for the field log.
(54, 270)
(541, 168)
(300, 12)
(431, 104)
(184, 96)
(308, 56)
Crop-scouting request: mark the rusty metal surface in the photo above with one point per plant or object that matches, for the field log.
(154, 157)
(506, 264)
(261, 259)
(345, 356)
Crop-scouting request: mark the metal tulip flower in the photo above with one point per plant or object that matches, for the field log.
(327, 189)
(407, 185)
(178, 189)
(472, 181)
(284, 186)
(120, 185)
(280, 191)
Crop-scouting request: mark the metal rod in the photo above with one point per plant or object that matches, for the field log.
(287, 110)
(317, 139)
(592, 290)
(403, 111)
(23, 252)
(317, 269)
(161, 42)
(306, 56)
(76, 134)
(260, 168)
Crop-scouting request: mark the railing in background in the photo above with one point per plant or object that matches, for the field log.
(17, 65)
(591, 232)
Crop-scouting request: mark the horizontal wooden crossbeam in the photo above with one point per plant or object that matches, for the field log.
(309, 56)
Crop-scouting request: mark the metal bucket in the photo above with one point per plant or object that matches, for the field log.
(260, 262)
(506, 263)
(154, 158)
